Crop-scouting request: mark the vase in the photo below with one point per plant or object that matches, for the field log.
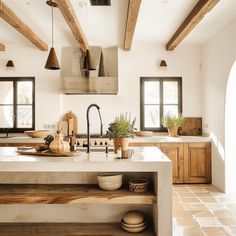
(58, 145)
(173, 131)
(121, 142)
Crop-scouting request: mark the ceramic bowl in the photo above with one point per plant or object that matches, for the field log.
(138, 185)
(133, 218)
(110, 181)
(134, 230)
(37, 133)
(133, 226)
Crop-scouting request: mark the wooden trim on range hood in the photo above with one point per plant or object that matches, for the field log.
(12, 19)
(2, 47)
(194, 17)
(67, 11)
(133, 11)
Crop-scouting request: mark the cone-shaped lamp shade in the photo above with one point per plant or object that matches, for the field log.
(88, 62)
(52, 62)
(10, 64)
(163, 63)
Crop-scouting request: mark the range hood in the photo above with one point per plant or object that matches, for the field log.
(103, 80)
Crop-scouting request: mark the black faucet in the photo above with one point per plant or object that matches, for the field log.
(88, 131)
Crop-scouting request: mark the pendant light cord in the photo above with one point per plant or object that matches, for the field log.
(52, 25)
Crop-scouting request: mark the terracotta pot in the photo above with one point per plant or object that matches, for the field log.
(173, 131)
(122, 142)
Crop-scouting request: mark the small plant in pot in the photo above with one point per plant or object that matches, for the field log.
(172, 123)
(121, 130)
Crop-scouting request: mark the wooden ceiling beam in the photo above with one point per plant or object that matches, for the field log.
(12, 19)
(194, 17)
(69, 14)
(133, 11)
(2, 47)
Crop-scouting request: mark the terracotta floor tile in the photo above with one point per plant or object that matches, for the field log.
(189, 200)
(189, 231)
(201, 213)
(207, 199)
(226, 199)
(215, 206)
(207, 221)
(200, 190)
(186, 194)
(224, 213)
(228, 221)
(185, 221)
(214, 231)
(203, 194)
(196, 206)
(232, 229)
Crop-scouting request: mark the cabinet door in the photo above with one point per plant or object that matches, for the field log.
(175, 152)
(197, 159)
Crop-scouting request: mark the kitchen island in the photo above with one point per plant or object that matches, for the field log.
(88, 204)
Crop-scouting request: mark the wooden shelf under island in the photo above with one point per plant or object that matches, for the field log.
(52, 229)
(70, 194)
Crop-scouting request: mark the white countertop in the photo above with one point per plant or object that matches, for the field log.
(137, 139)
(143, 159)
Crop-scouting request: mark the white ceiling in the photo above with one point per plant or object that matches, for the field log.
(157, 21)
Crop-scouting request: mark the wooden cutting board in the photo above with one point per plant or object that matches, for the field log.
(192, 126)
(47, 153)
(72, 121)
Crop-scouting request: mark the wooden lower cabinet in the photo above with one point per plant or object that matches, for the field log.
(175, 152)
(191, 162)
(197, 162)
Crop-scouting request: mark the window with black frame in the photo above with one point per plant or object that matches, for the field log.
(159, 96)
(17, 104)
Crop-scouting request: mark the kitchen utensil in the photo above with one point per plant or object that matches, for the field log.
(133, 226)
(37, 133)
(72, 121)
(138, 185)
(109, 181)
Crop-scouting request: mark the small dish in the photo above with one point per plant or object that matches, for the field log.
(133, 218)
(37, 133)
(138, 185)
(110, 181)
(133, 225)
(144, 133)
(134, 230)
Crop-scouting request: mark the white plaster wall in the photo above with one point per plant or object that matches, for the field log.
(30, 61)
(218, 55)
(142, 60)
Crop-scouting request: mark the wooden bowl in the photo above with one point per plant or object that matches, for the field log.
(37, 133)
(138, 185)
(110, 181)
(144, 133)
(133, 218)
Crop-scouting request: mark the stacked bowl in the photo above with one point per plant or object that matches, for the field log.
(133, 222)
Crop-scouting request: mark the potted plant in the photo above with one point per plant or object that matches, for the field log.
(172, 123)
(121, 130)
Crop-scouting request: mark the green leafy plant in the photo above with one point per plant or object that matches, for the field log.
(172, 120)
(121, 127)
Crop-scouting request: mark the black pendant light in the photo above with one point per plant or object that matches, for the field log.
(10, 63)
(52, 61)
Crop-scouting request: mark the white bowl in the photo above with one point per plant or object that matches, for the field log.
(134, 230)
(109, 181)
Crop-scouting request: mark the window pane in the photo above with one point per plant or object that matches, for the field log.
(25, 92)
(170, 92)
(24, 116)
(171, 109)
(151, 92)
(6, 92)
(151, 116)
(6, 116)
